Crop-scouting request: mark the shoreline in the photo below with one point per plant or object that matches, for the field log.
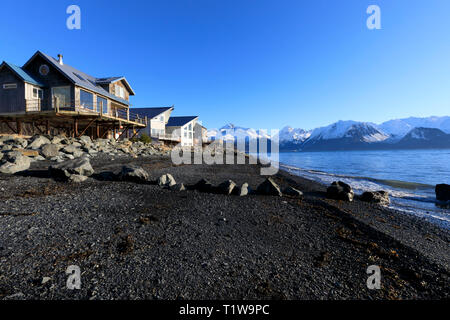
(141, 241)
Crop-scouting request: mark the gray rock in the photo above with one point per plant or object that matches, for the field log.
(133, 173)
(226, 187)
(38, 141)
(86, 140)
(442, 192)
(66, 169)
(15, 162)
(204, 186)
(290, 191)
(379, 197)
(166, 180)
(50, 150)
(242, 190)
(77, 178)
(177, 187)
(340, 191)
(70, 149)
(269, 187)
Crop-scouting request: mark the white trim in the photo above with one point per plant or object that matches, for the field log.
(8, 86)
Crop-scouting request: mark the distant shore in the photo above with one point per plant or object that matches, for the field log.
(141, 241)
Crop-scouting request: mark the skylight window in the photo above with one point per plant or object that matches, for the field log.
(79, 77)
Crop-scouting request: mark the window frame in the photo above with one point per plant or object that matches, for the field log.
(9, 86)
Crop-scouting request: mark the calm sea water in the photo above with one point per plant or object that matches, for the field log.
(410, 176)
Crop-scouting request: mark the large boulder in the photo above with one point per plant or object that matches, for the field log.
(290, 191)
(38, 141)
(85, 140)
(50, 150)
(14, 162)
(269, 187)
(166, 180)
(177, 187)
(70, 169)
(442, 192)
(133, 173)
(226, 187)
(242, 190)
(379, 197)
(204, 186)
(340, 191)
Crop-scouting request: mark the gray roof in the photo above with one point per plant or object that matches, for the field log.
(78, 77)
(180, 121)
(150, 112)
(25, 76)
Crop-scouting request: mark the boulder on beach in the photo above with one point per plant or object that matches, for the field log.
(14, 162)
(65, 170)
(50, 150)
(177, 187)
(379, 197)
(290, 191)
(166, 180)
(442, 192)
(340, 191)
(226, 187)
(242, 190)
(204, 186)
(269, 188)
(133, 173)
(38, 141)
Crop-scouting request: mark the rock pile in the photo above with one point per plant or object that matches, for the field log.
(16, 153)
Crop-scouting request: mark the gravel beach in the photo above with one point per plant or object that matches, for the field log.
(141, 241)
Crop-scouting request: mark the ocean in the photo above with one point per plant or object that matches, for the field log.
(409, 176)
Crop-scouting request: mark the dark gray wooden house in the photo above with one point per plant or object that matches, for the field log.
(47, 95)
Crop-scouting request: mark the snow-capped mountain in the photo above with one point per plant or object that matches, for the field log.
(230, 132)
(398, 128)
(294, 135)
(431, 132)
(344, 135)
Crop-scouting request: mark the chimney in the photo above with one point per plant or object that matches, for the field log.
(60, 59)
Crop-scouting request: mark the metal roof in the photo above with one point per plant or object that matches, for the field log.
(180, 121)
(78, 77)
(150, 112)
(22, 74)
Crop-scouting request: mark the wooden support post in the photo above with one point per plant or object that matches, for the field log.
(135, 133)
(47, 127)
(97, 127)
(89, 124)
(123, 131)
(9, 126)
(75, 128)
(19, 127)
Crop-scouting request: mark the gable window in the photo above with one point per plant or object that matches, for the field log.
(8, 86)
(38, 93)
(86, 100)
(120, 92)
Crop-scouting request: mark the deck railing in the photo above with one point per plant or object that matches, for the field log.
(167, 136)
(92, 108)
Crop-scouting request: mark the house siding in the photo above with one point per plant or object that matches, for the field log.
(53, 79)
(11, 100)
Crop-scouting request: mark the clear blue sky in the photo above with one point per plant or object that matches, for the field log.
(255, 63)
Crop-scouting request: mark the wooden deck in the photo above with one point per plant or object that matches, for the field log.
(76, 121)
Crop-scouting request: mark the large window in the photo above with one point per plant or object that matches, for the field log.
(102, 105)
(61, 97)
(86, 100)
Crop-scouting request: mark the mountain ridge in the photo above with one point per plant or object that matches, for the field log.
(409, 133)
